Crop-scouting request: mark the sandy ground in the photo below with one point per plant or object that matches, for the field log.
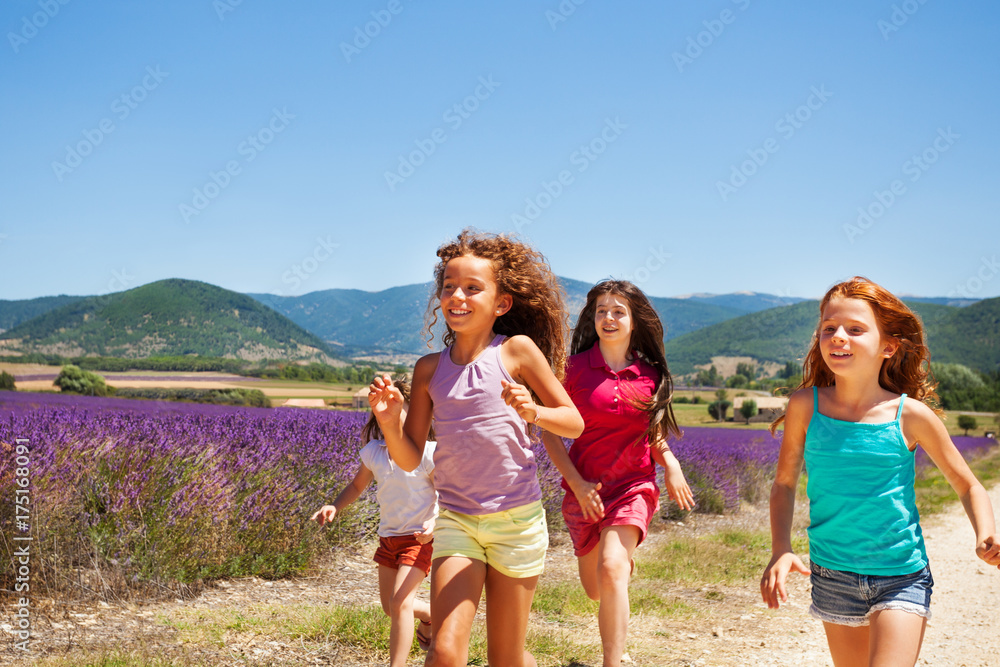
(734, 630)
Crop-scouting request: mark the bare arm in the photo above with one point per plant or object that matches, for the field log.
(586, 492)
(920, 424)
(556, 414)
(348, 495)
(673, 475)
(786, 479)
(405, 441)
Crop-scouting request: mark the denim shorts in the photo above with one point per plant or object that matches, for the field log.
(848, 598)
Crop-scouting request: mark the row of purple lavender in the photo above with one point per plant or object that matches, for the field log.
(187, 491)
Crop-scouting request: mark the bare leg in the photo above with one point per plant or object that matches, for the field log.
(508, 602)
(848, 645)
(397, 590)
(896, 637)
(456, 587)
(613, 568)
(587, 564)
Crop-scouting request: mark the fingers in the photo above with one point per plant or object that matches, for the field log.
(324, 514)
(383, 396)
(591, 504)
(989, 550)
(771, 588)
(518, 397)
(683, 497)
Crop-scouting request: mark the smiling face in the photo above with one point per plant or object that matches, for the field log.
(850, 338)
(613, 319)
(469, 298)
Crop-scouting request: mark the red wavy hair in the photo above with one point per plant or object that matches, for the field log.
(905, 372)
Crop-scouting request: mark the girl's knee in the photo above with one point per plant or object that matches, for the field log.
(400, 604)
(443, 653)
(613, 570)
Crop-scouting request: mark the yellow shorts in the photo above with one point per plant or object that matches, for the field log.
(512, 542)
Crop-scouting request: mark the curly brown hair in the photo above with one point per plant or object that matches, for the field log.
(646, 341)
(521, 272)
(905, 372)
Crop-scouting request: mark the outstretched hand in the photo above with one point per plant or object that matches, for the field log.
(324, 514)
(677, 487)
(772, 584)
(989, 550)
(385, 399)
(518, 397)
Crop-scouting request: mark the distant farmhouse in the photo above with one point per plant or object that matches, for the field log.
(768, 407)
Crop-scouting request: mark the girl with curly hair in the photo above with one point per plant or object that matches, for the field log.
(503, 311)
(849, 422)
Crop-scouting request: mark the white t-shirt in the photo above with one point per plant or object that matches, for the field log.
(406, 500)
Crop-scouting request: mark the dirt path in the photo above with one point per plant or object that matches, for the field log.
(735, 629)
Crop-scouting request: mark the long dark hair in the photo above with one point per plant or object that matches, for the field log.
(537, 309)
(646, 341)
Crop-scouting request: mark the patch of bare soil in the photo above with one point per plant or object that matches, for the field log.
(731, 627)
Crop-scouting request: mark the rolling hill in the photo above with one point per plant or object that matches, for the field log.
(13, 313)
(969, 335)
(166, 318)
(391, 321)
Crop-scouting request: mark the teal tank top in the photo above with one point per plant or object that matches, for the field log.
(862, 508)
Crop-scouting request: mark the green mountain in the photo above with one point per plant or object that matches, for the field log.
(745, 302)
(166, 318)
(969, 335)
(13, 313)
(391, 321)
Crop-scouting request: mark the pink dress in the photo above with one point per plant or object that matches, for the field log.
(612, 449)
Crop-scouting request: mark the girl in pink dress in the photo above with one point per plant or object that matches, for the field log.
(618, 379)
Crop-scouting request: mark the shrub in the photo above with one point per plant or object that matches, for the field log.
(967, 423)
(7, 382)
(74, 380)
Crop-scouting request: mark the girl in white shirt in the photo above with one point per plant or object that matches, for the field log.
(407, 505)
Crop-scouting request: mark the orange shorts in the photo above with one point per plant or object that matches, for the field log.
(404, 550)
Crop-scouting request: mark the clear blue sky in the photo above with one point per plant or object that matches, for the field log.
(693, 146)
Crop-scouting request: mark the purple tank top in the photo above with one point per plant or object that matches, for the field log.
(483, 462)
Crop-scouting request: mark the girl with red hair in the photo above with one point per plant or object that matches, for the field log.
(851, 425)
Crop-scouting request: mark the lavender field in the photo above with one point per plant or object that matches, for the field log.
(166, 491)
